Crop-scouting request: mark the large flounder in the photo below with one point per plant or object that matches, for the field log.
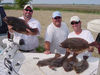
(18, 24)
(47, 62)
(81, 66)
(75, 44)
(53, 62)
(69, 62)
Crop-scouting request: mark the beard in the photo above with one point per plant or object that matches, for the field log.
(27, 16)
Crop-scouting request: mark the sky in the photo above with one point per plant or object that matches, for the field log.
(7, 1)
(60, 1)
(67, 1)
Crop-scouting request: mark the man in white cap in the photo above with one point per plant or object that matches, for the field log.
(30, 39)
(80, 33)
(56, 33)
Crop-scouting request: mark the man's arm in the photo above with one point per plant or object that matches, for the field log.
(34, 31)
(10, 29)
(47, 47)
(91, 49)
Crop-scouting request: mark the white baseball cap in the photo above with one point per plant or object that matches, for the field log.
(56, 13)
(28, 5)
(75, 18)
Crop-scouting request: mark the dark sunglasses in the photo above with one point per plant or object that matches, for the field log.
(28, 10)
(75, 22)
(57, 18)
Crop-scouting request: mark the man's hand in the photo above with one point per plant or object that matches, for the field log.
(91, 49)
(47, 52)
(47, 47)
(32, 31)
(10, 28)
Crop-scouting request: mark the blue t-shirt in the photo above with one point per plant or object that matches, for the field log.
(3, 25)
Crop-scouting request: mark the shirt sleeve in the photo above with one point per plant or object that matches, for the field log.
(35, 24)
(90, 37)
(49, 34)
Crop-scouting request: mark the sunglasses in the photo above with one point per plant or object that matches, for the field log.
(57, 18)
(74, 23)
(28, 10)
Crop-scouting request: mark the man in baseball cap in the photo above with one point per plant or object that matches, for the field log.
(31, 38)
(56, 33)
(78, 32)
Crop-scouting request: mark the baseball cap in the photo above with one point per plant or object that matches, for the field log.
(75, 18)
(56, 13)
(28, 5)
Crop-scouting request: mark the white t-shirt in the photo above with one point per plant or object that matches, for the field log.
(31, 41)
(55, 36)
(85, 34)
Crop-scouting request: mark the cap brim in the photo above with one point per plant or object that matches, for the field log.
(56, 16)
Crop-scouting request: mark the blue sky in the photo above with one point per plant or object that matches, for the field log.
(67, 1)
(60, 1)
(9, 1)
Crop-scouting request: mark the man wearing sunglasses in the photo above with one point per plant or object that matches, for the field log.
(30, 39)
(56, 33)
(78, 32)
